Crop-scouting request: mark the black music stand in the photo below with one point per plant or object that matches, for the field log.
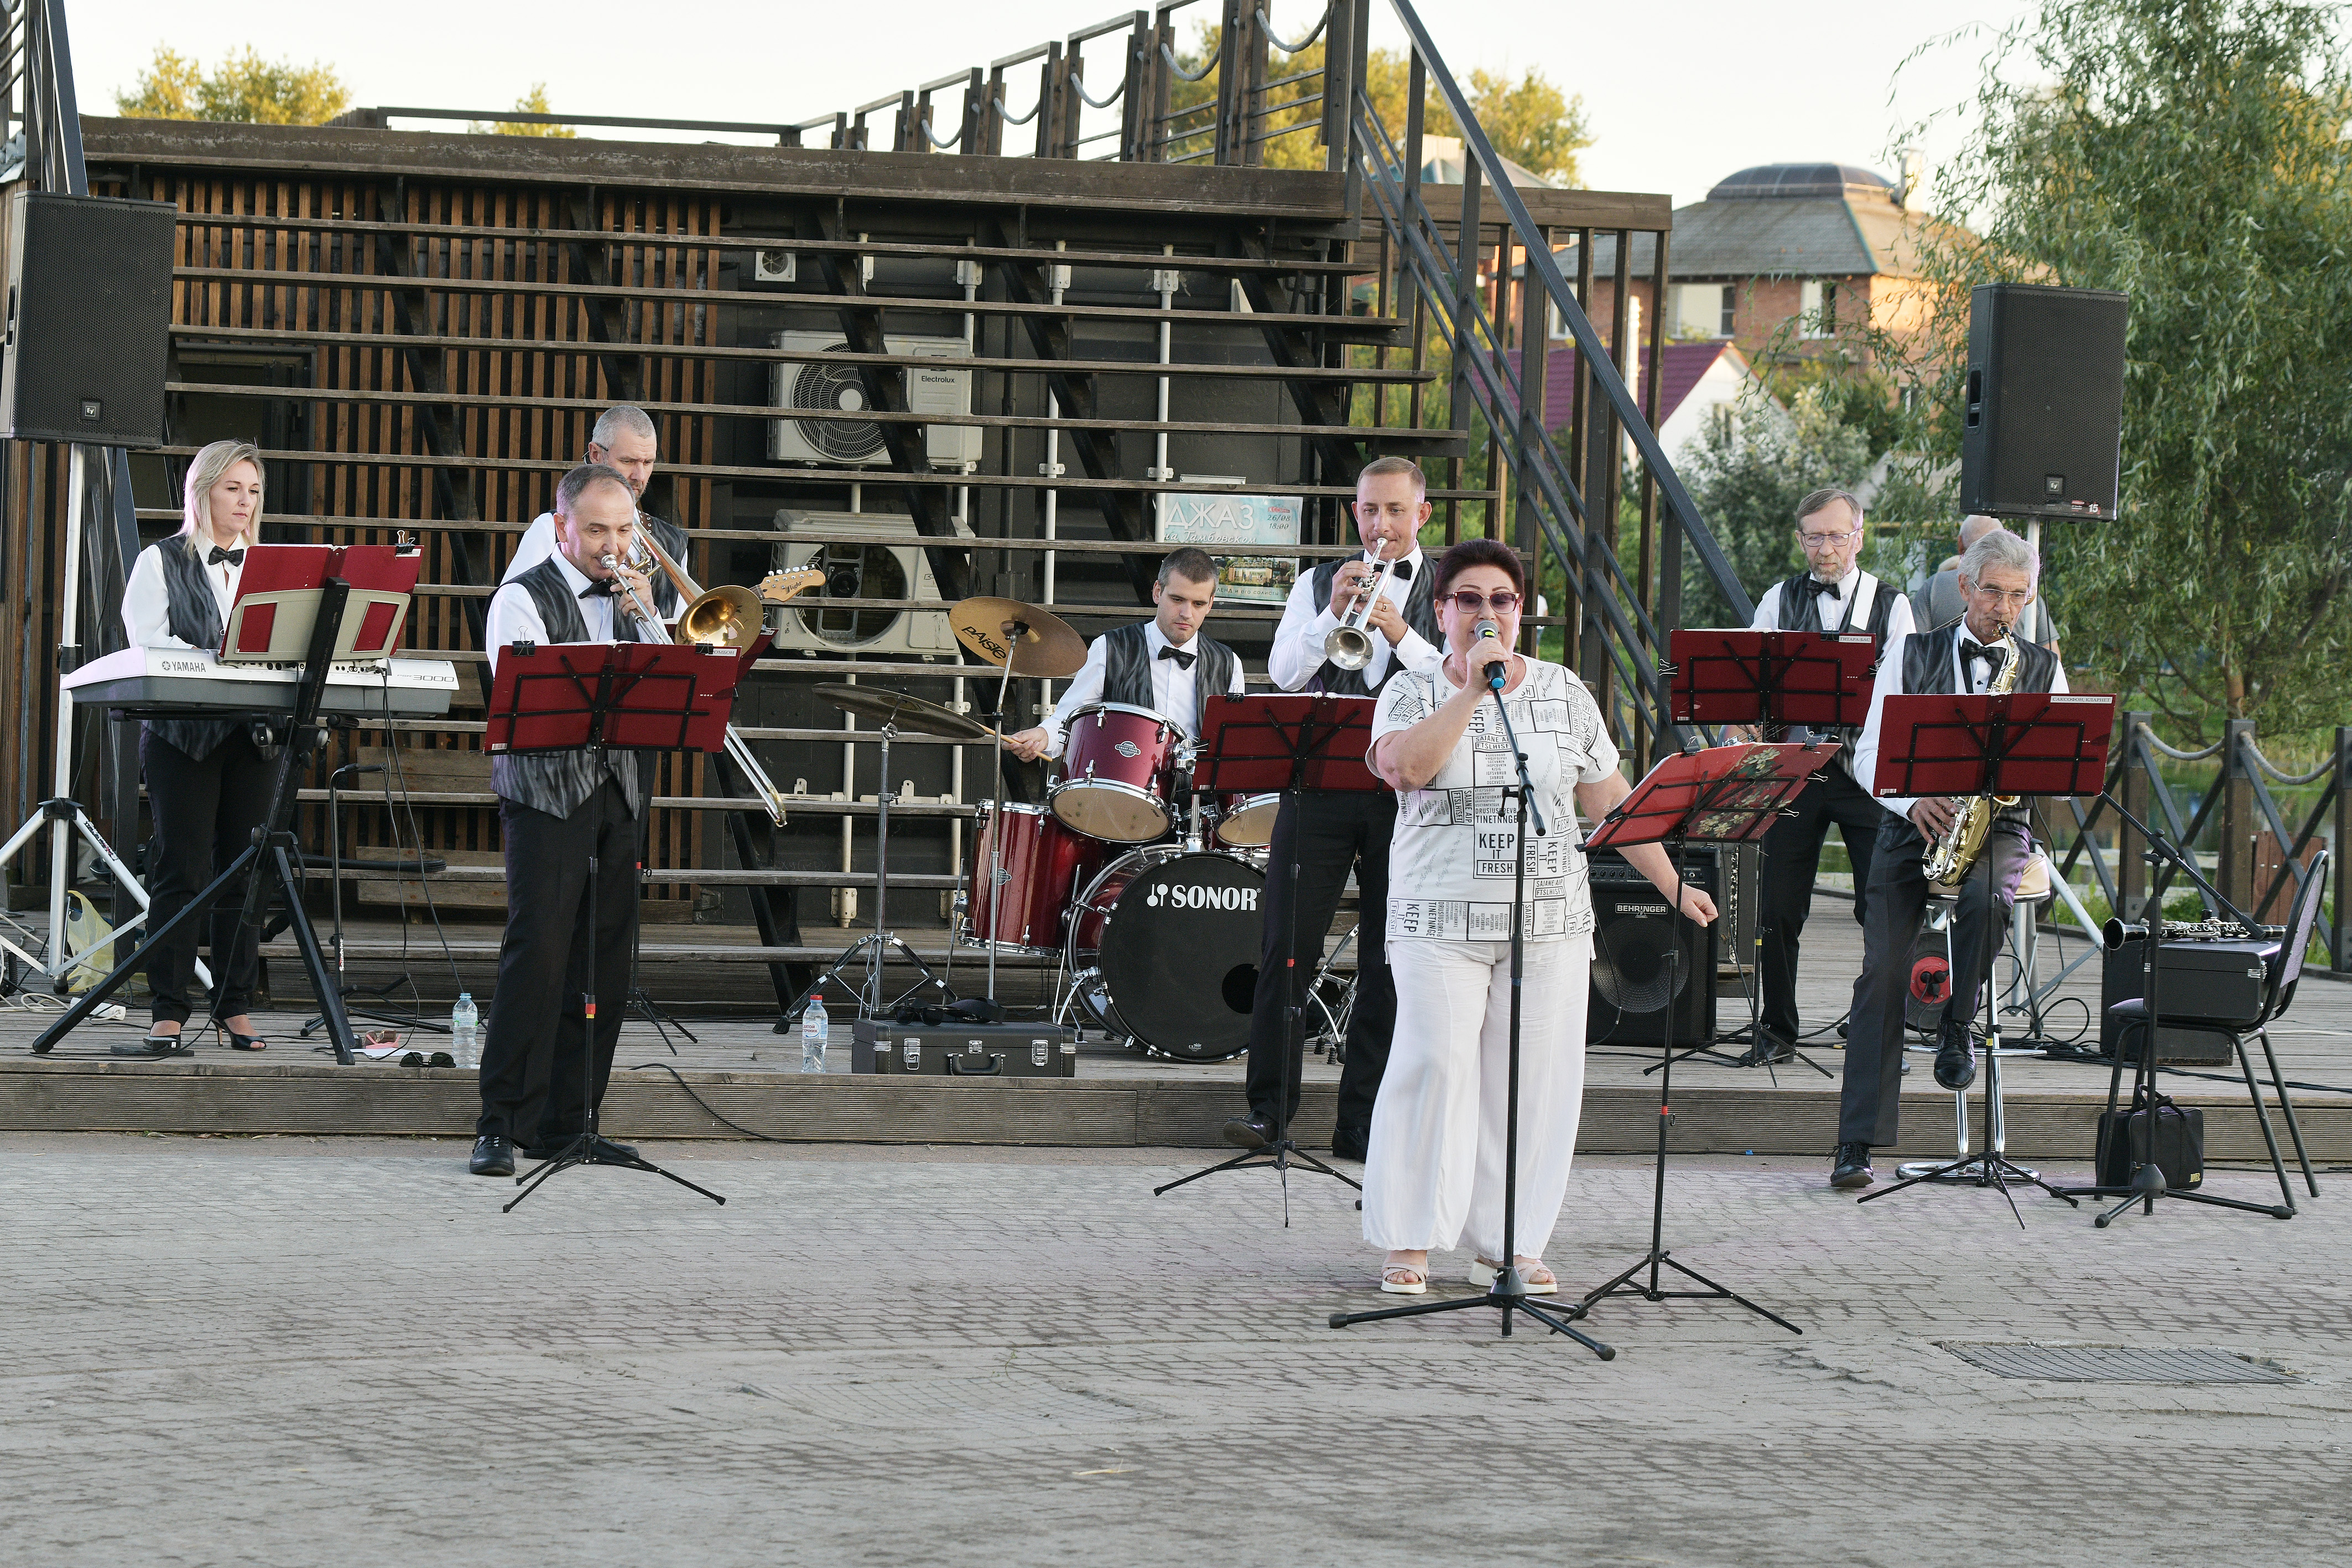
(604, 697)
(1728, 795)
(1292, 743)
(2014, 744)
(274, 854)
(1816, 680)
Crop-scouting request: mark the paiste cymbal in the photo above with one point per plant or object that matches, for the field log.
(1040, 643)
(911, 713)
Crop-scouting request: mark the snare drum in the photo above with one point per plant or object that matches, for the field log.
(1022, 902)
(1246, 822)
(1117, 763)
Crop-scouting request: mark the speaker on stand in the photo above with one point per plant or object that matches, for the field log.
(89, 317)
(2041, 435)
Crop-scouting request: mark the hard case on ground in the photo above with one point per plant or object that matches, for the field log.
(966, 1051)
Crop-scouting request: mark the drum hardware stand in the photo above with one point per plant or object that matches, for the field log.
(1509, 1293)
(414, 1018)
(1334, 1046)
(874, 949)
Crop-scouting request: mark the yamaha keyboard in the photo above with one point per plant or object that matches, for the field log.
(176, 682)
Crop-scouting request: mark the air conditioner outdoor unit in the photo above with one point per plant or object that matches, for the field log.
(850, 444)
(863, 556)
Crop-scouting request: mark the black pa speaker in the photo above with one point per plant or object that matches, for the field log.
(2042, 435)
(90, 315)
(1635, 933)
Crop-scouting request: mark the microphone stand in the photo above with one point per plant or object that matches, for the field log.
(1509, 1293)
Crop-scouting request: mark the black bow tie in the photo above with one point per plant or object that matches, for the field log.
(1404, 571)
(233, 557)
(1183, 660)
(600, 589)
(1811, 584)
(1992, 656)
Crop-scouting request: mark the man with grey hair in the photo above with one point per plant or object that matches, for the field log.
(1996, 580)
(1937, 601)
(625, 442)
(1832, 594)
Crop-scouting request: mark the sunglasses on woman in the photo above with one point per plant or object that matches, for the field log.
(1470, 602)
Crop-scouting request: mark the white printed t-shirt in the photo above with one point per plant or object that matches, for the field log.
(1454, 854)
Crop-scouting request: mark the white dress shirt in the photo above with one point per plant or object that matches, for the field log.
(1833, 608)
(514, 615)
(1297, 651)
(538, 544)
(147, 604)
(1173, 692)
(1972, 676)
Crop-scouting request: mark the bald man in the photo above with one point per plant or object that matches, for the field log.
(1938, 602)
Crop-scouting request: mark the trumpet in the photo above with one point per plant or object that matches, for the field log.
(724, 617)
(1348, 645)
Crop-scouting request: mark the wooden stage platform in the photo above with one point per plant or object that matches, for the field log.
(740, 1072)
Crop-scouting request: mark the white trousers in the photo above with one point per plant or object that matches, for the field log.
(1434, 1170)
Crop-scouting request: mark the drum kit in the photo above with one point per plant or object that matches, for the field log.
(1147, 893)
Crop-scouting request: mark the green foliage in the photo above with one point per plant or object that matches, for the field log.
(532, 102)
(244, 89)
(2192, 154)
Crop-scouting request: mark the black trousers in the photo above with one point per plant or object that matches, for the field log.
(1332, 835)
(541, 1065)
(1898, 896)
(204, 811)
(1792, 856)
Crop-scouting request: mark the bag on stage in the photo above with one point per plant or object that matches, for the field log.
(2180, 1143)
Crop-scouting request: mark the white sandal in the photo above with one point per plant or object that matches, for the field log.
(1537, 1276)
(1404, 1279)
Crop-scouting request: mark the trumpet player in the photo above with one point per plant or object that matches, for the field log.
(557, 810)
(1386, 600)
(1996, 578)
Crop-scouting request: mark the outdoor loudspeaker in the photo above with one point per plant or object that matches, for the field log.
(89, 314)
(2042, 435)
(1635, 937)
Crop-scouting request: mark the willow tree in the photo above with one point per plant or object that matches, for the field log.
(2192, 155)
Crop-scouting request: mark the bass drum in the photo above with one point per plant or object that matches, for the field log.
(1164, 948)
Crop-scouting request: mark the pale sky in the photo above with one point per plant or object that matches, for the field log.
(1678, 95)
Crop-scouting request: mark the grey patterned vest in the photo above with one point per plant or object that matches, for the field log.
(557, 782)
(1419, 614)
(1126, 672)
(1927, 668)
(192, 615)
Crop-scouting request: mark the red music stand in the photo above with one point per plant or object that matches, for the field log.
(278, 602)
(1255, 745)
(1730, 794)
(2021, 743)
(1817, 679)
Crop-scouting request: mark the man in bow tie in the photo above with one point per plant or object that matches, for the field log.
(1832, 594)
(558, 811)
(1163, 663)
(1997, 580)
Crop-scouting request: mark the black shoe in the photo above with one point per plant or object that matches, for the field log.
(602, 1150)
(1350, 1145)
(1850, 1167)
(1956, 1058)
(155, 1047)
(1775, 1049)
(493, 1157)
(1250, 1132)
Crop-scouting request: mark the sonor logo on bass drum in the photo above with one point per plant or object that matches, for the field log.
(1191, 895)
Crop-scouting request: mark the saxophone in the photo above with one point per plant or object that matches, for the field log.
(1951, 857)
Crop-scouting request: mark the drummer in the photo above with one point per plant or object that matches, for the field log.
(1163, 663)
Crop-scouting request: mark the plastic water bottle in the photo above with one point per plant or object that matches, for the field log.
(815, 1030)
(464, 1032)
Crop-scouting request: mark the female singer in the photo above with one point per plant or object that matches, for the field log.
(207, 781)
(1434, 1171)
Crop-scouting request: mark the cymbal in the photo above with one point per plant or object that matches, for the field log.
(910, 714)
(1041, 643)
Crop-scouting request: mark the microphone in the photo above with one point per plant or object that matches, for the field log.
(1497, 669)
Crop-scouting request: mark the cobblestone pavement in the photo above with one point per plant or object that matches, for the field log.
(302, 1352)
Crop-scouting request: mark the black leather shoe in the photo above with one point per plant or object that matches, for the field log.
(493, 1157)
(1774, 1050)
(1350, 1145)
(1250, 1132)
(1956, 1058)
(601, 1148)
(1850, 1167)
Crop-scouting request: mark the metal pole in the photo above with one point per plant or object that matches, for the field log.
(68, 618)
(2339, 954)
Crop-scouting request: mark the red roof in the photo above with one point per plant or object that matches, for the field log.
(1684, 364)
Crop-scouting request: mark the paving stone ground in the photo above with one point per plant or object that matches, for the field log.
(299, 1351)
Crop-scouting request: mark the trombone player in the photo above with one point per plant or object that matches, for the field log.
(1975, 654)
(1378, 615)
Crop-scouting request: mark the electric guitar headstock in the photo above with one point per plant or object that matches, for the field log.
(780, 587)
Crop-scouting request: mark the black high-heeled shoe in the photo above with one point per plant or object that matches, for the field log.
(235, 1042)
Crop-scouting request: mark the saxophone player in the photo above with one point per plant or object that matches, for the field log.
(1973, 654)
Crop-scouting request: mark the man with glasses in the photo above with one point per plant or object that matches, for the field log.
(1336, 833)
(1833, 594)
(1939, 602)
(1997, 577)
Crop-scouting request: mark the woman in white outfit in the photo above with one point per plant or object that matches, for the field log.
(1434, 1171)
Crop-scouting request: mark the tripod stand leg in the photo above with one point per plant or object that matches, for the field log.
(314, 959)
(1726, 1293)
(248, 861)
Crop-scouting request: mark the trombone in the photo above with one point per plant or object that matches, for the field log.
(725, 617)
(1348, 644)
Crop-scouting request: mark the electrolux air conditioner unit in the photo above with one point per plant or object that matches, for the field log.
(863, 555)
(858, 443)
